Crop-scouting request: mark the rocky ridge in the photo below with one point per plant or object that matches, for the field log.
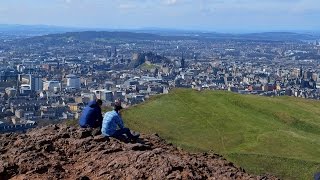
(62, 152)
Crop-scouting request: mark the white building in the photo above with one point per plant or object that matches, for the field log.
(86, 97)
(11, 92)
(25, 89)
(20, 68)
(35, 83)
(73, 81)
(104, 94)
(52, 86)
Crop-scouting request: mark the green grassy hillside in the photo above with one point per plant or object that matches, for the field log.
(280, 136)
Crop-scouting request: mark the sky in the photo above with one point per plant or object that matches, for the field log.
(206, 15)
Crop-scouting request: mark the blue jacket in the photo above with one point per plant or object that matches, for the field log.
(110, 123)
(91, 116)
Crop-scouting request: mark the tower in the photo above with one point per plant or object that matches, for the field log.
(36, 83)
(115, 51)
(182, 61)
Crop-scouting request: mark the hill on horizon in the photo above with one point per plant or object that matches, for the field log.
(279, 136)
(39, 34)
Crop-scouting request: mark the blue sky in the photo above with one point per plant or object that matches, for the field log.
(213, 15)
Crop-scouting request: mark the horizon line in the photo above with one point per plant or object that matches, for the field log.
(199, 30)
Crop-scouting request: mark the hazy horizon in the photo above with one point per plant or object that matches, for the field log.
(203, 15)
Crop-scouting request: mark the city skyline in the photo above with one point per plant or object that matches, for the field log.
(217, 15)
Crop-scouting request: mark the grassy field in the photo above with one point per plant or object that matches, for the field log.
(146, 66)
(279, 136)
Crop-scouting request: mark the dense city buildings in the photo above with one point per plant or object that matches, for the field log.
(51, 78)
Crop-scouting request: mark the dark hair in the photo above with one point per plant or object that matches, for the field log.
(99, 101)
(117, 106)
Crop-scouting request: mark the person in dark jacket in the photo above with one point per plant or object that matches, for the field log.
(91, 116)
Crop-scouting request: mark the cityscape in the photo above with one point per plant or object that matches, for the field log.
(51, 78)
(160, 89)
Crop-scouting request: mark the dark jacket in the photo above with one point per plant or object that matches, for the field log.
(91, 116)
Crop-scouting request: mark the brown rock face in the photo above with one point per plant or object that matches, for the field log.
(61, 152)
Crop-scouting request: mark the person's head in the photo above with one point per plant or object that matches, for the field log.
(99, 102)
(117, 106)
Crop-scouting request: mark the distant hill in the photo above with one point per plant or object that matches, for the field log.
(285, 36)
(63, 35)
(16, 30)
(23, 31)
(101, 37)
(280, 135)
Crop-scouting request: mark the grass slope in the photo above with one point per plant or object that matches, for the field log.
(280, 136)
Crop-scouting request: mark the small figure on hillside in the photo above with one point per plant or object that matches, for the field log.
(91, 116)
(113, 126)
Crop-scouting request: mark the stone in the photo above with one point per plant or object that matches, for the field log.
(81, 154)
(84, 134)
(83, 178)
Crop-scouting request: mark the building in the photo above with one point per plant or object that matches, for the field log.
(104, 95)
(19, 113)
(24, 78)
(34, 82)
(25, 89)
(11, 92)
(73, 82)
(86, 97)
(20, 68)
(73, 107)
(8, 75)
(119, 95)
(52, 86)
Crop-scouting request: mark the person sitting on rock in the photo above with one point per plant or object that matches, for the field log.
(91, 116)
(112, 120)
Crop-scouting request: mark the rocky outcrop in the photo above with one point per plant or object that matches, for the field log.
(140, 58)
(61, 152)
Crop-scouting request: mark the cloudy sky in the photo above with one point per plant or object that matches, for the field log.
(215, 15)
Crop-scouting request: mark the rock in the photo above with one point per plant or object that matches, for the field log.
(1, 169)
(100, 138)
(96, 132)
(65, 135)
(83, 178)
(55, 127)
(48, 148)
(60, 152)
(84, 134)
(138, 147)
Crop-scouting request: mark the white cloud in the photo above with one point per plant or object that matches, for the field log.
(171, 2)
(304, 6)
(127, 6)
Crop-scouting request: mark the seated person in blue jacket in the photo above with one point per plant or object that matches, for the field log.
(112, 125)
(91, 116)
